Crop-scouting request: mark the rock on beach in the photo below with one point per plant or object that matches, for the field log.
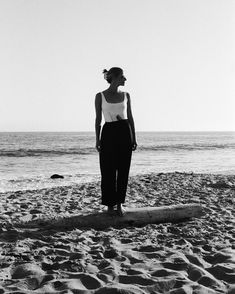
(56, 176)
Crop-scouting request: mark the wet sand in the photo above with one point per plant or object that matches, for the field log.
(197, 256)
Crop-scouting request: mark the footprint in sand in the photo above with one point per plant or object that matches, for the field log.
(176, 265)
(136, 279)
(27, 269)
(203, 277)
(166, 273)
(223, 272)
(110, 253)
(75, 284)
(117, 289)
(219, 257)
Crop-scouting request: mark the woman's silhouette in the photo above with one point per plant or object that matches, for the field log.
(117, 140)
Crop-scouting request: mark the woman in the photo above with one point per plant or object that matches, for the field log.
(117, 140)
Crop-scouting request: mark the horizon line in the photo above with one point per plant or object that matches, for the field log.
(146, 131)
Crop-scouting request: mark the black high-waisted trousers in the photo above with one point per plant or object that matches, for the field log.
(115, 159)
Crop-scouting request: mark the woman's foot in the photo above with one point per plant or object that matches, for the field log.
(110, 210)
(120, 210)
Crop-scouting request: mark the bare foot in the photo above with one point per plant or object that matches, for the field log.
(110, 210)
(120, 210)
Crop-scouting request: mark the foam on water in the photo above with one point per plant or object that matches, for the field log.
(27, 160)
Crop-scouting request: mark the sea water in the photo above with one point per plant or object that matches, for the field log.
(27, 160)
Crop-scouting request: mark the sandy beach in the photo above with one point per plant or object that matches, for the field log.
(197, 256)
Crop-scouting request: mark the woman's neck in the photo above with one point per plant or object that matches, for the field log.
(113, 89)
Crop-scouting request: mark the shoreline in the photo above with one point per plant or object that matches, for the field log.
(197, 256)
(220, 174)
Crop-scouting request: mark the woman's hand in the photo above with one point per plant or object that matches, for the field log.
(97, 146)
(134, 146)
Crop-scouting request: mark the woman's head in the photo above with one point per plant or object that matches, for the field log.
(115, 74)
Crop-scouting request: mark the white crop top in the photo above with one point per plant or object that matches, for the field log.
(112, 110)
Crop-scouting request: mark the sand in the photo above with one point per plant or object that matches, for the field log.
(197, 256)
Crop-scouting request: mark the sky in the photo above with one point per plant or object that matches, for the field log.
(177, 55)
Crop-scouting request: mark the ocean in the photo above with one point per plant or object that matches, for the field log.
(28, 159)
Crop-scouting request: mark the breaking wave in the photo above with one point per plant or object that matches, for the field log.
(92, 150)
(45, 152)
(187, 147)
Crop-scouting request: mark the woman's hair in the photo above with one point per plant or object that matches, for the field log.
(114, 72)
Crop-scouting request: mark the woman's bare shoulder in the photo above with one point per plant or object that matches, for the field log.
(98, 96)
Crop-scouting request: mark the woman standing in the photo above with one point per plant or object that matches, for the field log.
(117, 140)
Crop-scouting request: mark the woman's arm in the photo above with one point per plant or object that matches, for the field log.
(131, 121)
(98, 119)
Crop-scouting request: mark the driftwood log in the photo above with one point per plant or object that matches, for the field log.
(132, 217)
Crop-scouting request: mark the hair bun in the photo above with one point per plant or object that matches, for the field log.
(105, 72)
(113, 72)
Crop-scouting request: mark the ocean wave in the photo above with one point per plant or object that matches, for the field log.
(90, 150)
(46, 152)
(186, 147)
